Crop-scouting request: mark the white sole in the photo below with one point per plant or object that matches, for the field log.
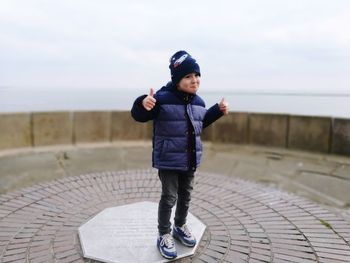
(183, 242)
(165, 256)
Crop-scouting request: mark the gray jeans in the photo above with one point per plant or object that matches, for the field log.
(176, 186)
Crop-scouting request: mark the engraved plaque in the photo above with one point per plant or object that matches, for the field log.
(129, 233)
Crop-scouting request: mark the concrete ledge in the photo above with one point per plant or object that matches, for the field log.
(232, 128)
(318, 134)
(309, 133)
(268, 129)
(52, 128)
(93, 126)
(15, 130)
(341, 137)
(124, 127)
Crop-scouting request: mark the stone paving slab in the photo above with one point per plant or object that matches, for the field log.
(246, 222)
(127, 233)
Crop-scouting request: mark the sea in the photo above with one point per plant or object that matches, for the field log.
(13, 100)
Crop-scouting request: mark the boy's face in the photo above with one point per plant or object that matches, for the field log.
(189, 83)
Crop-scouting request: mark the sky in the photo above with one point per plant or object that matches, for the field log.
(251, 45)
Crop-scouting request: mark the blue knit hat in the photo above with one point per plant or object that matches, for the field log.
(181, 64)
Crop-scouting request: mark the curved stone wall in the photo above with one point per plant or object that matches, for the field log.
(316, 134)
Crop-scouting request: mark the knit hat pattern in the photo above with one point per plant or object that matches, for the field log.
(182, 64)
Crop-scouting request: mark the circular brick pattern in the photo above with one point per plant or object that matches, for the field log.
(246, 222)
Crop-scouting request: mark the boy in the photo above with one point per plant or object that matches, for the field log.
(178, 115)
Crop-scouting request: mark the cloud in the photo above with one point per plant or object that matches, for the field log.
(246, 44)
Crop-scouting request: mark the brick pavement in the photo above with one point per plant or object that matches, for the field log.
(246, 222)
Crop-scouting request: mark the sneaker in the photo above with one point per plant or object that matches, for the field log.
(166, 246)
(184, 235)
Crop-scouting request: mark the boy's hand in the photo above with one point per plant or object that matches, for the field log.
(223, 105)
(149, 102)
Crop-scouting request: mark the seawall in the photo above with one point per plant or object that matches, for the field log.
(308, 133)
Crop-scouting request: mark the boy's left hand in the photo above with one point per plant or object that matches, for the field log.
(224, 107)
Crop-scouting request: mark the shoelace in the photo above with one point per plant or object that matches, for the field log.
(167, 240)
(185, 229)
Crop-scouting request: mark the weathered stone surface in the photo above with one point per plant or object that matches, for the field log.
(124, 127)
(93, 126)
(127, 233)
(274, 166)
(268, 129)
(207, 134)
(309, 133)
(329, 185)
(246, 222)
(296, 132)
(231, 128)
(15, 130)
(341, 136)
(18, 171)
(52, 128)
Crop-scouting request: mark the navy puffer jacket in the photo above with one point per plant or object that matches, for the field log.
(178, 121)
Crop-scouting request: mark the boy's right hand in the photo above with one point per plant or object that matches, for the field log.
(149, 102)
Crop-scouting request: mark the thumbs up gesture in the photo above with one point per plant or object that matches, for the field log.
(224, 107)
(149, 102)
